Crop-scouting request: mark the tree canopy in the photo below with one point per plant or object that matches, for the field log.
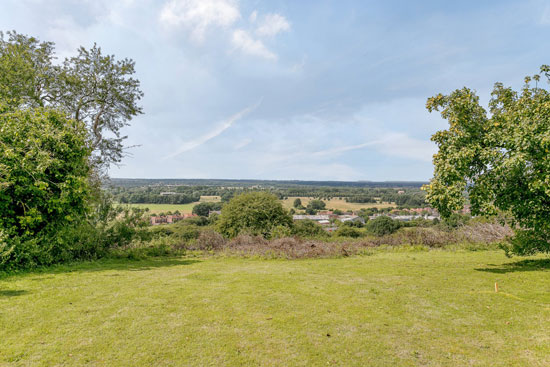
(90, 87)
(256, 213)
(499, 157)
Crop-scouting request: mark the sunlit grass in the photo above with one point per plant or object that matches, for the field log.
(336, 203)
(436, 308)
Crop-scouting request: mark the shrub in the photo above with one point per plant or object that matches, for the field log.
(455, 220)
(44, 187)
(383, 225)
(255, 212)
(308, 228)
(348, 231)
(209, 240)
(280, 232)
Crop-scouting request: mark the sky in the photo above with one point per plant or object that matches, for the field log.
(287, 89)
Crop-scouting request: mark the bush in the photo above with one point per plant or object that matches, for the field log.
(348, 231)
(308, 228)
(383, 225)
(44, 187)
(256, 213)
(209, 240)
(455, 220)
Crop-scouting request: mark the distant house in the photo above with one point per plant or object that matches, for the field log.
(400, 192)
(351, 218)
(311, 217)
(169, 219)
(166, 193)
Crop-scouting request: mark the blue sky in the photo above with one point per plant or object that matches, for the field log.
(317, 90)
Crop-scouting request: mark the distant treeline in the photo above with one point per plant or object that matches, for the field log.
(183, 194)
(139, 182)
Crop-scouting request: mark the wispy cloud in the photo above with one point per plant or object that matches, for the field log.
(226, 124)
(391, 144)
(244, 42)
(272, 24)
(198, 16)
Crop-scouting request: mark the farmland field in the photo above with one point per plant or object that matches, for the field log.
(434, 308)
(336, 203)
(183, 208)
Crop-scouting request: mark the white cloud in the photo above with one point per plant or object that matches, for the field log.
(242, 41)
(272, 25)
(199, 15)
(192, 144)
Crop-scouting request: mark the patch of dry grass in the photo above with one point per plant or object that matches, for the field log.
(335, 203)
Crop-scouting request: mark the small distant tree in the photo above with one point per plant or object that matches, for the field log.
(297, 203)
(257, 213)
(204, 209)
(501, 158)
(314, 206)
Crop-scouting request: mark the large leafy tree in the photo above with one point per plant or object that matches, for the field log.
(256, 213)
(499, 157)
(90, 87)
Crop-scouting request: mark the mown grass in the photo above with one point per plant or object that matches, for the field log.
(336, 203)
(431, 308)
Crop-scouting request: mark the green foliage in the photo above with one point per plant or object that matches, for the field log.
(455, 220)
(308, 228)
(314, 206)
(256, 213)
(280, 231)
(383, 225)
(204, 209)
(92, 88)
(44, 186)
(348, 231)
(297, 203)
(501, 158)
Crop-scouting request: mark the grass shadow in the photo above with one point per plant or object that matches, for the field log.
(107, 265)
(522, 265)
(8, 293)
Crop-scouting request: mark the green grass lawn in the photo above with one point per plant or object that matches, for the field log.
(436, 308)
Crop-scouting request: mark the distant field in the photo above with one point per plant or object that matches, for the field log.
(336, 203)
(183, 208)
(436, 308)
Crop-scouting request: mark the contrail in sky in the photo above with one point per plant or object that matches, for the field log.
(226, 124)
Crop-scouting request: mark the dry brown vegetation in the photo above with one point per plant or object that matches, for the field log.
(479, 234)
